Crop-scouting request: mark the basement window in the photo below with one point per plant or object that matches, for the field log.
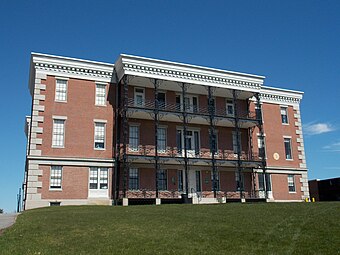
(55, 203)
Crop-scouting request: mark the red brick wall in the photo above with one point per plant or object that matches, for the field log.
(280, 187)
(81, 111)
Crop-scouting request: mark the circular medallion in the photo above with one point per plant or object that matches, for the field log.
(276, 156)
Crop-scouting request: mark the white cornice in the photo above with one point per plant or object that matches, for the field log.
(70, 67)
(171, 71)
(278, 95)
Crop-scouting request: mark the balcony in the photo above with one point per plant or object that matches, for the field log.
(202, 154)
(190, 109)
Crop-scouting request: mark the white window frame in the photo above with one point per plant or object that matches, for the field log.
(100, 179)
(193, 130)
(264, 142)
(291, 182)
(290, 145)
(234, 139)
(284, 111)
(191, 102)
(230, 103)
(167, 179)
(163, 92)
(138, 178)
(241, 180)
(166, 139)
(55, 133)
(99, 95)
(138, 137)
(58, 91)
(217, 178)
(139, 93)
(58, 177)
(97, 123)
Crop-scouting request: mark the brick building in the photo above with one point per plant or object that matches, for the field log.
(148, 130)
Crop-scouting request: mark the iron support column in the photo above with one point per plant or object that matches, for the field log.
(156, 118)
(238, 143)
(184, 115)
(125, 132)
(212, 138)
(262, 151)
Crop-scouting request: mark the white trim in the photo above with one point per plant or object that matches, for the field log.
(100, 121)
(59, 117)
(61, 78)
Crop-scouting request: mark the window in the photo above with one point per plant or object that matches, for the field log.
(191, 103)
(100, 94)
(288, 148)
(162, 179)
(230, 107)
(98, 178)
(198, 181)
(161, 100)
(284, 115)
(291, 183)
(262, 180)
(217, 180)
(55, 177)
(133, 138)
(99, 135)
(161, 139)
(192, 142)
(239, 181)
(58, 133)
(55, 203)
(235, 143)
(261, 146)
(133, 179)
(139, 97)
(61, 90)
(180, 180)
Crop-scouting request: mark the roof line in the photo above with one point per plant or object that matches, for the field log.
(70, 58)
(283, 90)
(193, 66)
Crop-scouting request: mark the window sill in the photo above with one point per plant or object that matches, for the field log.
(99, 149)
(289, 159)
(101, 105)
(57, 147)
(55, 189)
(292, 192)
(285, 124)
(59, 101)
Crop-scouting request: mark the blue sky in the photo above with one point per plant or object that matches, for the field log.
(295, 44)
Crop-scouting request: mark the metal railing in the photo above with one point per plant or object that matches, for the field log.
(191, 109)
(203, 153)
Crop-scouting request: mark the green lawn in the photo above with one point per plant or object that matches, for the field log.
(260, 228)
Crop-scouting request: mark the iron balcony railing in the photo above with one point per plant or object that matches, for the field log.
(174, 152)
(191, 109)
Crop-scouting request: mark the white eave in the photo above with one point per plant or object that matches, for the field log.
(278, 95)
(70, 67)
(191, 74)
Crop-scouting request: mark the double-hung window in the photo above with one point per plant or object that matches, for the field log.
(284, 115)
(55, 177)
(161, 100)
(291, 183)
(161, 139)
(235, 142)
(261, 146)
(99, 135)
(180, 180)
(133, 138)
(264, 179)
(100, 94)
(162, 179)
(61, 90)
(190, 101)
(288, 148)
(230, 107)
(133, 179)
(98, 178)
(139, 97)
(58, 136)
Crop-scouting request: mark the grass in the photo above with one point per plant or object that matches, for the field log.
(272, 228)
